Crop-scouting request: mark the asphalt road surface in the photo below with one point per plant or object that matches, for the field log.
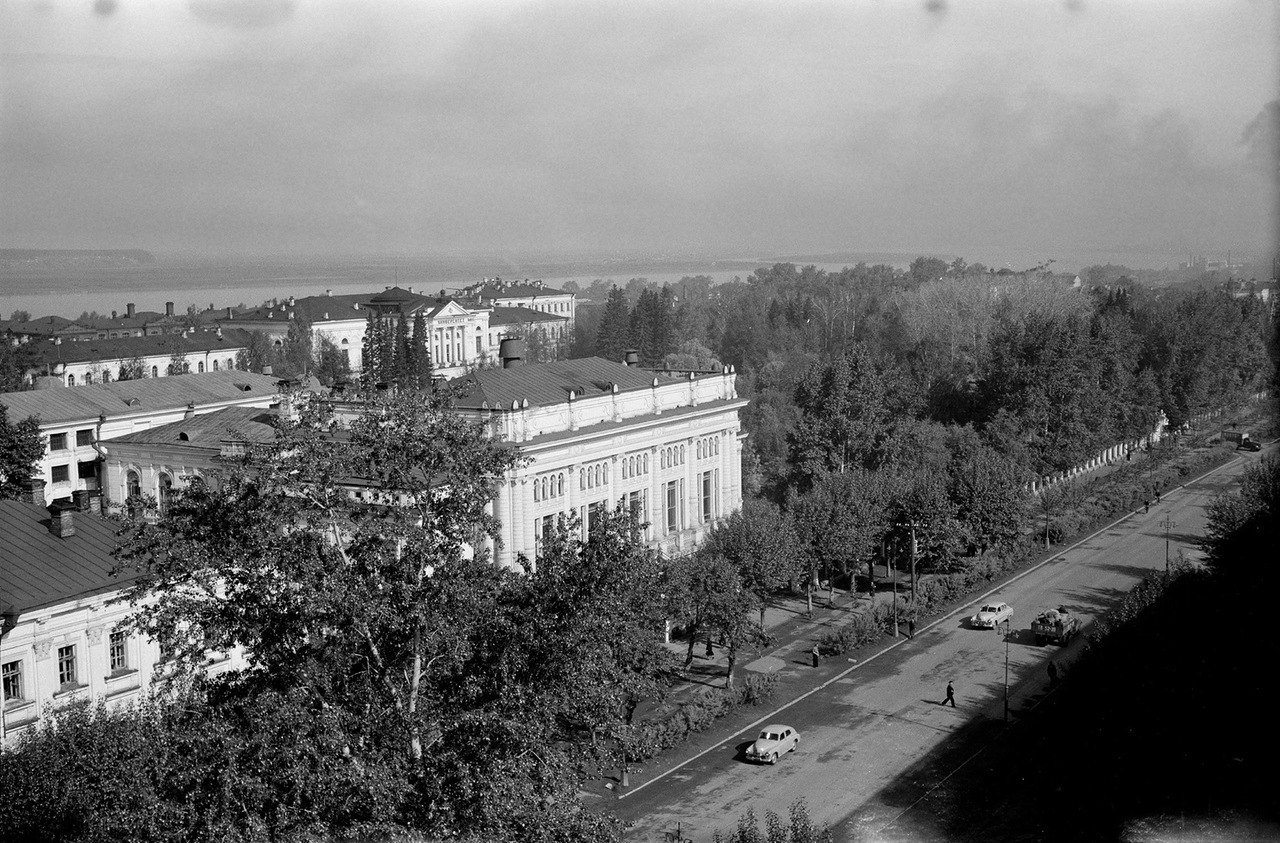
(863, 731)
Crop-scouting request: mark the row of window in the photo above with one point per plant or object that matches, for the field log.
(592, 476)
(133, 487)
(708, 446)
(69, 668)
(589, 477)
(105, 376)
(635, 465)
(548, 486)
(87, 470)
(671, 456)
(674, 517)
(58, 441)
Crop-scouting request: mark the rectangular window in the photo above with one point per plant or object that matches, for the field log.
(119, 653)
(84, 437)
(57, 441)
(595, 514)
(12, 678)
(87, 470)
(673, 503)
(542, 528)
(67, 665)
(60, 473)
(708, 496)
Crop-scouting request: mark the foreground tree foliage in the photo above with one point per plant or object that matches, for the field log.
(21, 446)
(397, 679)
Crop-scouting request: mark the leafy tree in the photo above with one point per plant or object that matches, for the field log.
(1242, 528)
(21, 448)
(178, 364)
(19, 316)
(841, 520)
(257, 354)
(759, 541)
(928, 269)
(331, 364)
(986, 487)
(297, 354)
(694, 356)
(16, 359)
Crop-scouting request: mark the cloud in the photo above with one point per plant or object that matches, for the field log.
(241, 14)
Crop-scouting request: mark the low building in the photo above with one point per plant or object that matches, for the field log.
(78, 421)
(601, 435)
(153, 356)
(63, 638)
(535, 295)
(547, 335)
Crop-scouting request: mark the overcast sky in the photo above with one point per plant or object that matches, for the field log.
(252, 126)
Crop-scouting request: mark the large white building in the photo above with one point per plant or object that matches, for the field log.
(153, 356)
(78, 422)
(62, 637)
(600, 435)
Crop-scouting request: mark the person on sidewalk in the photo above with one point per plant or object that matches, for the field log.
(815, 654)
(911, 628)
(1053, 675)
(711, 653)
(951, 696)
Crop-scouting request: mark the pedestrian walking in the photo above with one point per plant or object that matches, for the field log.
(951, 696)
(911, 628)
(710, 651)
(1146, 507)
(814, 653)
(1053, 675)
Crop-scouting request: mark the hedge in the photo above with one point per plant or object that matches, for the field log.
(655, 736)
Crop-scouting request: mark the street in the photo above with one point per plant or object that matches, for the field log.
(860, 733)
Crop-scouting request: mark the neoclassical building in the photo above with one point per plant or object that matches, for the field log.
(601, 435)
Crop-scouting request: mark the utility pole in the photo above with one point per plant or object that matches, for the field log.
(1169, 523)
(913, 567)
(895, 601)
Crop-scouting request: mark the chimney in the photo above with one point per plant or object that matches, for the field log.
(511, 352)
(168, 308)
(230, 314)
(113, 314)
(33, 491)
(632, 357)
(218, 332)
(290, 301)
(62, 519)
(80, 497)
(328, 292)
(131, 309)
(190, 411)
(267, 370)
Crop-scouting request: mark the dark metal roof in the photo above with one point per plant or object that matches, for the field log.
(210, 430)
(513, 289)
(76, 403)
(124, 348)
(39, 569)
(545, 384)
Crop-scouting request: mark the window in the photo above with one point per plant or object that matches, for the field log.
(200, 365)
(119, 654)
(134, 485)
(71, 380)
(215, 365)
(166, 492)
(57, 442)
(88, 377)
(673, 506)
(155, 372)
(87, 470)
(12, 680)
(595, 515)
(708, 495)
(84, 437)
(106, 377)
(542, 528)
(60, 473)
(67, 665)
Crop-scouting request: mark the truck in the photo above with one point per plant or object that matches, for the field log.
(1056, 625)
(1235, 436)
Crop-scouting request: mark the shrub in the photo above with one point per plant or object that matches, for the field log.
(674, 728)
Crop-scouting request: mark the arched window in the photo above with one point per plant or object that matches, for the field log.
(166, 492)
(682, 455)
(215, 365)
(582, 478)
(231, 364)
(560, 485)
(155, 372)
(545, 482)
(604, 471)
(106, 377)
(646, 464)
(624, 469)
(201, 367)
(88, 377)
(71, 380)
(133, 485)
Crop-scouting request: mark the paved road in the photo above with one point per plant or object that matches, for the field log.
(861, 732)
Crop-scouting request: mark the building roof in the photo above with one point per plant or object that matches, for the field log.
(545, 384)
(315, 309)
(125, 348)
(76, 403)
(210, 430)
(44, 325)
(39, 569)
(498, 289)
(521, 316)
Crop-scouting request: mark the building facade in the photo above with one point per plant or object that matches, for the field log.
(601, 435)
(154, 356)
(78, 422)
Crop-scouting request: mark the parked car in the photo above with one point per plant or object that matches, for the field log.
(774, 742)
(992, 615)
(1249, 445)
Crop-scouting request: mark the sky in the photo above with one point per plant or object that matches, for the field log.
(244, 127)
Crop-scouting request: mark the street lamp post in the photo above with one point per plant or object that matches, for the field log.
(1168, 524)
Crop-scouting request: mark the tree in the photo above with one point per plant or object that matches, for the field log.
(759, 541)
(297, 353)
(613, 335)
(1242, 529)
(16, 359)
(21, 449)
(986, 487)
(331, 364)
(257, 354)
(178, 364)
